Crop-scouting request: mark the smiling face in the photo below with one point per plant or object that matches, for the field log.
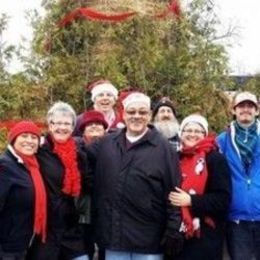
(94, 131)
(104, 102)
(165, 113)
(245, 112)
(136, 117)
(61, 127)
(191, 134)
(26, 143)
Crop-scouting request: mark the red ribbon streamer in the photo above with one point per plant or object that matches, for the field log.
(89, 13)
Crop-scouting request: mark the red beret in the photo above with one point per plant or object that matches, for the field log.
(23, 127)
(92, 116)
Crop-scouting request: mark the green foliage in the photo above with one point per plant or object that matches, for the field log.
(3, 135)
(22, 98)
(6, 51)
(253, 85)
(175, 56)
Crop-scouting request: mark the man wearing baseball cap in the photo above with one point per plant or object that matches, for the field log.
(241, 146)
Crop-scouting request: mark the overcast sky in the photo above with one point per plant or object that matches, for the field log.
(244, 15)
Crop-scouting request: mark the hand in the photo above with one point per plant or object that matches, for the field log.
(180, 198)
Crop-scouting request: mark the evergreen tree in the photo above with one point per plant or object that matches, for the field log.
(175, 56)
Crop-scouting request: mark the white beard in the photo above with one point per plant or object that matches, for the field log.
(167, 128)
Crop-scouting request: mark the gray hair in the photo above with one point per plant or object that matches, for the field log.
(61, 108)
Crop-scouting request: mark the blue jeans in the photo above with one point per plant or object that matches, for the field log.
(243, 240)
(119, 255)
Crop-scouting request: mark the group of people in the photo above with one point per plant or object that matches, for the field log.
(134, 185)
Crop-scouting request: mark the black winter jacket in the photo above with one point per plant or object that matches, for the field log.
(61, 207)
(16, 205)
(131, 190)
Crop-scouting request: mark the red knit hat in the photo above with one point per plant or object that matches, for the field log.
(23, 127)
(92, 116)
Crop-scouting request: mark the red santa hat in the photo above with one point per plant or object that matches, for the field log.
(101, 87)
(136, 97)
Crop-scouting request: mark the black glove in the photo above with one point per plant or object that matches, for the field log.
(172, 242)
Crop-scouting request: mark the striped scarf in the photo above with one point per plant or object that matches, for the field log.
(246, 139)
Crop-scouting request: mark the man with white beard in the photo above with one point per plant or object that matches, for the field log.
(165, 121)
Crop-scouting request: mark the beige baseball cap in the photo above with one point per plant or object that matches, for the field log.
(245, 96)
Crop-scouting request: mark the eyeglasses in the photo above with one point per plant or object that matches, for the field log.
(133, 112)
(192, 131)
(66, 124)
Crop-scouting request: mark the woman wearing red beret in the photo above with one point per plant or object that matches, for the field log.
(93, 126)
(22, 193)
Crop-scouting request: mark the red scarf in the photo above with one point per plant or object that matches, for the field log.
(195, 174)
(40, 208)
(67, 152)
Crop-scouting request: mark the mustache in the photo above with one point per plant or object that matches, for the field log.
(134, 120)
(246, 113)
(166, 118)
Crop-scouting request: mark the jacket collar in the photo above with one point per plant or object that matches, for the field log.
(11, 150)
(232, 127)
(150, 137)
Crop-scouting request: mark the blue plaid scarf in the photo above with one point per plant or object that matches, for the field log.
(246, 139)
